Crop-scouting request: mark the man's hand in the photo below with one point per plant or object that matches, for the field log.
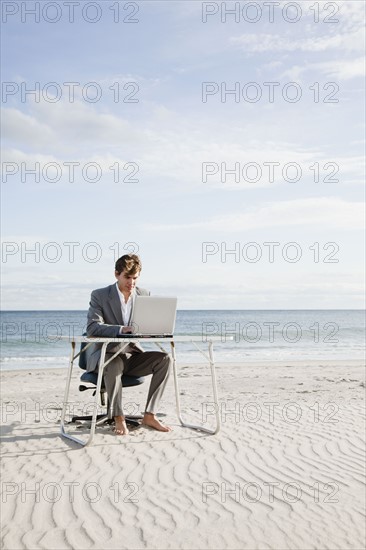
(127, 330)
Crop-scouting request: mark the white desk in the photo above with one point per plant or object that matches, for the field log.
(195, 340)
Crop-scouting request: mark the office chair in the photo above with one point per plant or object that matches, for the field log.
(92, 378)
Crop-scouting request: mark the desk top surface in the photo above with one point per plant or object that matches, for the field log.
(125, 340)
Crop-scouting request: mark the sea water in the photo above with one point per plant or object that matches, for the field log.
(31, 339)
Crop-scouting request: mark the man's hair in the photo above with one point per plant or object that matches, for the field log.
(131, 263)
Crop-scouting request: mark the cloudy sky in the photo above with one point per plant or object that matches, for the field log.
(225, 148)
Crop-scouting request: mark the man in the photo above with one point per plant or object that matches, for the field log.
(109, 316)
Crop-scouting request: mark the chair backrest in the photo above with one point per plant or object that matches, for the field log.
(83, 357)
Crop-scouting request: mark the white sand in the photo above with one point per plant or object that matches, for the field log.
(267, 480)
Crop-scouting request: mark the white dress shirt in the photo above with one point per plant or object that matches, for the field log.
(126, 307)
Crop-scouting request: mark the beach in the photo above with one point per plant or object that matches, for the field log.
(286, 471)
(211, 153)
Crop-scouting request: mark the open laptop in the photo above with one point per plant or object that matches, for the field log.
(153, 316)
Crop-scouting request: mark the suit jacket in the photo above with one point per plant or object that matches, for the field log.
(105, 320)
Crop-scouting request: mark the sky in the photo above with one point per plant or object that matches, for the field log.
(221, 141)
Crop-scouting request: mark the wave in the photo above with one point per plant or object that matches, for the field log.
(39, 362)
(29, 359)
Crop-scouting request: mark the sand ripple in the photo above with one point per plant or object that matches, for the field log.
(262, 483)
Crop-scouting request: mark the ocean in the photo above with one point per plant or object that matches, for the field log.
(31, 339)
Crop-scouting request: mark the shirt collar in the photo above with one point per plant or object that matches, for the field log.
(122, 298)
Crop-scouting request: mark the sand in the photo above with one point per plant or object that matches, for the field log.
(287, 470)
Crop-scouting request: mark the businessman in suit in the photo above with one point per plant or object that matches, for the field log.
(109, 315)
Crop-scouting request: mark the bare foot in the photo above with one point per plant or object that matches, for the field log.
(151, 421)
(121, 426)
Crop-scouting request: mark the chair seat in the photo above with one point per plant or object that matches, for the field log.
(127, 380)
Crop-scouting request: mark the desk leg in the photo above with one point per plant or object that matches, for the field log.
(66, 399)
(67, 389)
(97, 393)
(214, 388)
(176, 385)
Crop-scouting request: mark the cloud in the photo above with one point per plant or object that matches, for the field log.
(25, 129)
(324, 211)
(60, 127)
(262, 42)
(281, 291)
(169, 147)
(340, 69)
(56, 170)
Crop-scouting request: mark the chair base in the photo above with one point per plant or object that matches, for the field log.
(103, 419)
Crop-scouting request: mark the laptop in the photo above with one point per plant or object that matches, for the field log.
(153, 316)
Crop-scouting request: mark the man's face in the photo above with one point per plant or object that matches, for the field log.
(126, 282)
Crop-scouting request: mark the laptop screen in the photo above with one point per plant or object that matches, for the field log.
(154, 315)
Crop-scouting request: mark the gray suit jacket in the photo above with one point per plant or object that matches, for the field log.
(105, 320)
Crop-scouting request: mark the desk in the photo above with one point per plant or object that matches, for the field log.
(195, 340)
